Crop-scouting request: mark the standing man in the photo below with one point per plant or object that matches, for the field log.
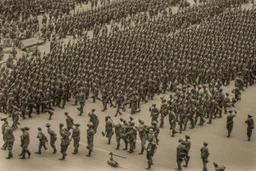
(76, 138)
(204, 155)
(90, 137)
(9, 140)
(187, 145)
(250, 126)
(230, 121)
(69, 121)
(53, 137)
(42, 140)
(25, 140)
(65, 141)
(142, 134)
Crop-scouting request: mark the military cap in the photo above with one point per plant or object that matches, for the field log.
(47, 125)
(230, 111)
(187, 137)
(249, 116)
(154, 105)
(205, 143)
(227, 94)
(40, 129)
(164, 101)
(66, 113)
(93, 110)
(131, 118)
(180, 140)
(151, 130)
(61, 124)
(121, 119)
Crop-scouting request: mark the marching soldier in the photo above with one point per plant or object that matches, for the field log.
(109, 128)
(42, 140)
(156, 131)
(69, 121)
(151, 148)
(250, 126)
(142, 134)
(94, 120)
(65, 141)
(187, 145)
(204, 155)
(81, 98)
(25, 140)
(53, 137)
(15, 118)
(230, 122)
(154, 113)
(163, 112)
(9, 140)
(76, 138)
(180, 155)
(90, 138)
(5, 124)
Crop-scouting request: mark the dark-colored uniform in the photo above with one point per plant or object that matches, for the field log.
(53, 138)
(25, 140)
(230, 123)
(204, 156)
(250, 127)
(9, 140)
(42, 140)
(109, 130)
(76, 139)
(90, 137)
(65, 141)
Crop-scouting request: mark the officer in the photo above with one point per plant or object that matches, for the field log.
(69, 121)
(76, 138)
(204, 155)
(65, 141)
(218, 167)
(42, 140)
(5, 124)
(230, 122)
(9, 140)
(151, 148)
(90, 138)
(250, 126)
(25, 140)
(94, 120)
(53, 137)
(109, 128)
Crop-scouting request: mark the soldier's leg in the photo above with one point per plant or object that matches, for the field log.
(39, 148)
(52, 143)
(161, 122)
(126, 145)
(117, 143)
(9, 147)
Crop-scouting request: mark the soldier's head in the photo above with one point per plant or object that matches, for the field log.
(154, 123)
(77, 125)
(61, 125)
(90, 124)
(39, 129)
(249, 116)
(151, 131)
(205, 143)
(66, 113)
(215, 164)
(187, 137)
(180, 140)
(153, 105)
(47, 125)
(93, 110)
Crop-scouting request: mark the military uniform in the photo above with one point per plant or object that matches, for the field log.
(9, 140)
(42, 140)
(25, 140)
(250, 126)
(76, 138)
(90, 138)
(151, 148)
(204, 156)
(94, 120)
(109, 128)
(230, 122)
(69, 121)
(65, 141)
(53, 137)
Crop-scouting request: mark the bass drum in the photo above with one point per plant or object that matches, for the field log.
(113, 163)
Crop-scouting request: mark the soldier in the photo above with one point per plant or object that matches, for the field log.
(118, 132)
(5, 124)
(90, 137)
(53, 137)
(154, 113)
(42, 140)
(156, 131)
(15, 118)
(81, 99)
(204, 155)
(65, 141)
(94, 120)
(109, 128)
(250, 126)
(163, 112)
(69, 121)
(180, 155)
(230, 122)
(187, 145)
(9, 140)
(76, 138)
(25, 140)
(218, 167)
(151, 148)
(142, 134)
(119, 102)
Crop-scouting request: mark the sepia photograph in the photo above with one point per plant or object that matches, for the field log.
(127, 85)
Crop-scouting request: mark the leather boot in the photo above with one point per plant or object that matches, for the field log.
(63, 157)
(126, 146)
(89, 153)
(149, 165)
(142, 150)
(54, 151)
(9, 156)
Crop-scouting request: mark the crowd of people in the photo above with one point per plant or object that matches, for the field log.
(132, 66)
